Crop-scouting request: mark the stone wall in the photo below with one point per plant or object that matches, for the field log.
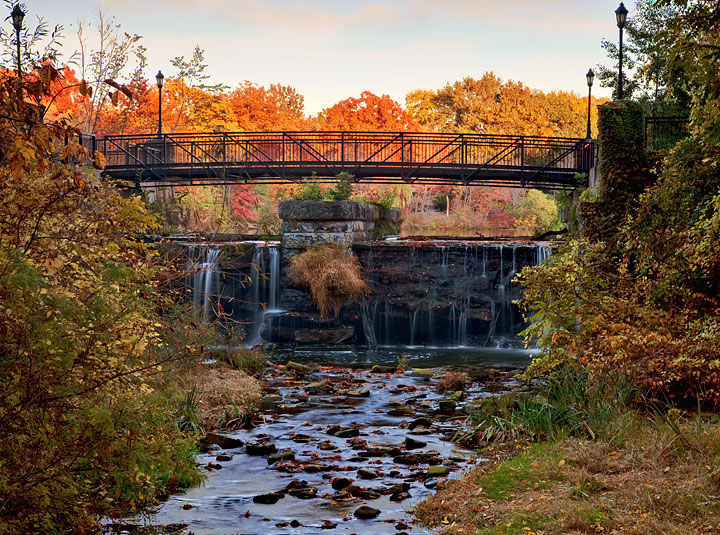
(311, 223)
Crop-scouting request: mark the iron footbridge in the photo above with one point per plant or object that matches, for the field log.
(371, 157)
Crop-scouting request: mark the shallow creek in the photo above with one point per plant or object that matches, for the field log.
(357, 439)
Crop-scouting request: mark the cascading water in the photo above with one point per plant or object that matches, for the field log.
(203, 264)
(422, 295)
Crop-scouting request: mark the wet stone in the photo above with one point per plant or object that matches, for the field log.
(340, 483)
(268, 499)
(420, 422)
(366, 474)
(306, 493)
(222, 441)
(301, 369)
(260, 448)
(366, 513)
(400, 526)
(413, 444)
(437, 471)
(295, 524)
(285, 455)
(348, 433)
(223, 458)
(327, 446)
(358, 393)
(402, 411)
(327, 524)
(383, 369)
(446, 406)
(400, 496)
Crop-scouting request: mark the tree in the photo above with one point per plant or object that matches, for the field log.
(368, 112)
(82, 433)
(108, 62)
(277, 108)
(649, 73)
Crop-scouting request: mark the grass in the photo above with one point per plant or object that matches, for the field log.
(251, 361)
(332, 274)
(551, 474)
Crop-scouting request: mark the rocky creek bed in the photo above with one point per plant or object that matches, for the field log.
(336, 450)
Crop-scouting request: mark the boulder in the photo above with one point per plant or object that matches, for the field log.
(268, 499)
(222, 441)
(366, 513)
(302, 369)
(437, 471)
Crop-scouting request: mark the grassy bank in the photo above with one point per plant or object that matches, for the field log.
(575, 457)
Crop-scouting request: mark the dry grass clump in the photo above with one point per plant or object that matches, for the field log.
(452, 382)
(332, 274)
(224, 397)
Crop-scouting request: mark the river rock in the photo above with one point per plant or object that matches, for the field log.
(427, 372)
(420, 422)
(260, 448)
(348, 433)
(455, 396)
(366, 513)
(383, 369)
(408, 459)
(285, 455)
(400, 496)
(358, 393)
(327, 446)
(446, 407)
(268, 499)
(222, 441)
(366, 474)
(340, 483)
(327, 524)
(402, 411)
(413, 444)
(437, 471)
(269, 402)
(301, 369)
(306, 493)
(223, 458)
(397, 488)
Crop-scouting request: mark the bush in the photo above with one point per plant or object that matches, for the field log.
(343, 188)
(310, 190)
(332, 274)
(535, 210)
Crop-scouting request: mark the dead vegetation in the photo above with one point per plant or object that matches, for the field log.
(664, 478)
(332, 274)
(452, 382)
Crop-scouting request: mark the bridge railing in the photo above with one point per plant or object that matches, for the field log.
(287, 155)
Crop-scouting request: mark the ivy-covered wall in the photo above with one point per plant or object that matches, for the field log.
(624, 166)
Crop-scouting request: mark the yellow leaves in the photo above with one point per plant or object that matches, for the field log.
(99, 159)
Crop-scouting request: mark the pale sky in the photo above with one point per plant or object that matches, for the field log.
(329, 50)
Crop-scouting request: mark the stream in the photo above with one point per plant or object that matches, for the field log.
(346, 438)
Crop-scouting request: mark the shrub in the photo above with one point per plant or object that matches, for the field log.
(343, 188)
(332, 274)
(310, 190)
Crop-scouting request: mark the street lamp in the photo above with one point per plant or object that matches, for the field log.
(590, 76)
(160, 79)
(620, 17)
(17, 15)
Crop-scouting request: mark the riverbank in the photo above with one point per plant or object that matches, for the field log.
(643, 470)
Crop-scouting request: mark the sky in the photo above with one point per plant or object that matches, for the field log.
(329, 50)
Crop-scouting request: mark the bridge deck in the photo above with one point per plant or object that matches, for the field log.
(378, 157)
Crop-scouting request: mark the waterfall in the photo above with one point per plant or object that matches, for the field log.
(203, 263)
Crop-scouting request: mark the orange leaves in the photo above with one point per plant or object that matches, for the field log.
(369, 112)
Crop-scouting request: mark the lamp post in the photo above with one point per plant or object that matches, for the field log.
(160, 79)
(590, 76)
(17, 15)
(620, 17)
